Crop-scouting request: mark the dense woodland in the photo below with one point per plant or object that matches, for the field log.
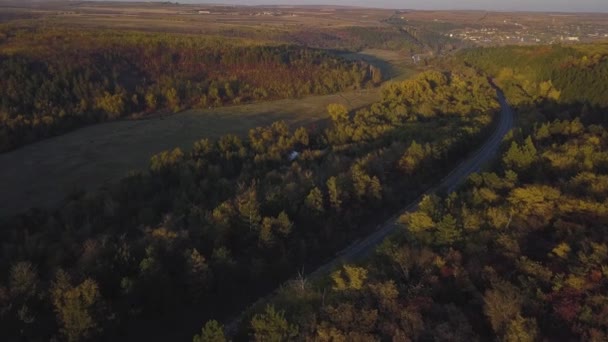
(395, 35)
(206, 231)
(398, 37)
(55, 80)
(568, 74)
(519, 253)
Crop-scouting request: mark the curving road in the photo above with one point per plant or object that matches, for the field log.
(364, 247)
(473, 164)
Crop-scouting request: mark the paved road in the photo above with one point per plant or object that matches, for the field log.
(473, 164)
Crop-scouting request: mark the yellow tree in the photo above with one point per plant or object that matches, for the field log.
(74, 306)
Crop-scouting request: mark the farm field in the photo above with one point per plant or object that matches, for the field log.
(92, 156)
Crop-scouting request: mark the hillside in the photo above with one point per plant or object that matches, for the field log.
(517, 254)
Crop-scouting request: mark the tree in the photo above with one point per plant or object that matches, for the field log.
(202, 148)
(357, 324)
(273, 226)
(173, 100)
(447, 231)
(212, 331)
(349, 278)
(301, 137)
(314, 200)
(24, 293)
(520, 157)
(249, 208)
(521, 330)
(539, 200)
(271, 326)
(386, 294)
(471, 221)
(198, 272)
(75, 306)
(360, 181)
(23, 279)
(412, 157)
(431, 204)
(335, 193)
(112, 104)
(502, 305)
(151, 102)
(338, 113)
(417, 222)
(375, 188)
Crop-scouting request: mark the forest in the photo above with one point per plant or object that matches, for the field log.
(177, 250)
(206, 231)
(568, 74)
(397, 37)
(56, 80)
(518, 253)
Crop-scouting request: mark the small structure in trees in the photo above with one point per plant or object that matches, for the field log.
(293, 155)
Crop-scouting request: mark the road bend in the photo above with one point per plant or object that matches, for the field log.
(455, 178)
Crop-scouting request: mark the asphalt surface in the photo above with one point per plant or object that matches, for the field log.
(364, 247)
(483, 155)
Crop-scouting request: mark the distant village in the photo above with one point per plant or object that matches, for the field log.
(516, 33)
(220, 10)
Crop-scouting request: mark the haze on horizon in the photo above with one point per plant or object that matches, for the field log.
(489, 5)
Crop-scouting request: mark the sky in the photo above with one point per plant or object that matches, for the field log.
(495, 5)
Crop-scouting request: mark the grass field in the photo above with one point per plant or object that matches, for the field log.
(43, 173)
(168, 17)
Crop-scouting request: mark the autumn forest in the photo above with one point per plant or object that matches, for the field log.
(394, 220)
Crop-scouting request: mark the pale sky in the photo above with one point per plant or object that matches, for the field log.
(496, 5)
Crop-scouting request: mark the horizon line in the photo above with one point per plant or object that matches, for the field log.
(219, 3)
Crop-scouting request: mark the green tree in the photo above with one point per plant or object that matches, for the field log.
(520, 157)
(447, 231)
(271, 326)
(212, 331)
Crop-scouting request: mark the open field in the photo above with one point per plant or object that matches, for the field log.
(43, 173)
(330, 27)
(290, 23)
(190, 18)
